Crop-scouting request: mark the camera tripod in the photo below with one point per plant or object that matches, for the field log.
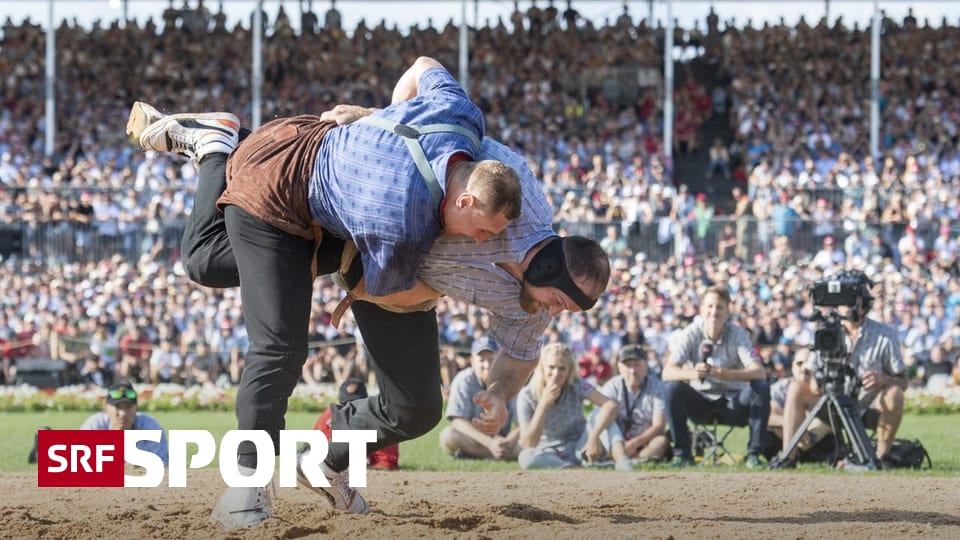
(848, 429)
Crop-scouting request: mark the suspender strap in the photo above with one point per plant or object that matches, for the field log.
(410, 134)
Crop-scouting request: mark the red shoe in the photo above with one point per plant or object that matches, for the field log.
(384, 465)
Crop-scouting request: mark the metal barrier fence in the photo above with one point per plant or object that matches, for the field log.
(70, 241)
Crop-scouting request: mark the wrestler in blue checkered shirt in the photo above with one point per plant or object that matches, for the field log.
(363, 171)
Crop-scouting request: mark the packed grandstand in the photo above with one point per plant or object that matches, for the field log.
(769, 185)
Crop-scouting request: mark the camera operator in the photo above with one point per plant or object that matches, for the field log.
(712, 374)
(875, 358)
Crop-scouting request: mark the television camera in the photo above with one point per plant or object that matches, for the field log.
(852, 289)
(834, 374)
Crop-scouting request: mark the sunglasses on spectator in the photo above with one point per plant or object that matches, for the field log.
(120, 393)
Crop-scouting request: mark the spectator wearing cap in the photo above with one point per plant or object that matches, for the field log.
(461, 438)
(352, 389)
(120, 412)
(639, 431)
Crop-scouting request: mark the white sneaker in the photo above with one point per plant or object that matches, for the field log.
(193, 135)
(340, 495)
(243, 507)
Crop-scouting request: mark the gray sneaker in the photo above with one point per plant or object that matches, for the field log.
(243, 508)
(340, 495)
(193, 135)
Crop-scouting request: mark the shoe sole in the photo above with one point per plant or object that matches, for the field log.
(302, 480)
(142, 116)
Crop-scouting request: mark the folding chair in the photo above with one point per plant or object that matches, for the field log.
(709, 444)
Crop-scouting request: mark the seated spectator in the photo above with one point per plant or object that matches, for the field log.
(935, 371)
(712, 374)
(553, 430)
(829, 256)
(120, 412)
(200, 366)
(638, 433)
(165, 363)
(94, 374)
(386, 458)
(593, 368)
(461, 438)
(719, 159)
(815, 446)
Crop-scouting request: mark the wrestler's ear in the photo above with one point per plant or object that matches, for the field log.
(466, 200)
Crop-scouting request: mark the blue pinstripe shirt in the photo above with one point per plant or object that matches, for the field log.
(366, 187)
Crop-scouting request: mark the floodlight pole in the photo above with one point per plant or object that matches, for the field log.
(257, 75)
(464, 45)
(49, 88)
(875, 82)
(668, 86)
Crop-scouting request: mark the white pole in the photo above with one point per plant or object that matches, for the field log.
(668, 85)
(464, 58)
(875, 82)
(257, 75)
(50, 122)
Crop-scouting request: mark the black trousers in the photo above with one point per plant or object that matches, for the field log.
(751, 407)
(207, 254)
(405, 355)
(272, 269)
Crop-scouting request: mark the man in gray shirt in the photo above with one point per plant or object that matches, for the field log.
(876, 358)
(461, 438)
(712, 374)
(638, 433)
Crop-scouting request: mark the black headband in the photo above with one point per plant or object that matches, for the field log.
(549, 269)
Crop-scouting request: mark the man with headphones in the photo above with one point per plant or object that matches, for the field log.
(874, 354)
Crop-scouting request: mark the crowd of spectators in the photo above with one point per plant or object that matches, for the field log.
(148, 322)
(799, 109)
(100, 286)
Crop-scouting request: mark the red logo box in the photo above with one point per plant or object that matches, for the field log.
(80, 458)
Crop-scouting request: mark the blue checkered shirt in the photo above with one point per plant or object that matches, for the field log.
(366, 187)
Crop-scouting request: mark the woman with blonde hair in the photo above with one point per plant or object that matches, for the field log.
(553, 429)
